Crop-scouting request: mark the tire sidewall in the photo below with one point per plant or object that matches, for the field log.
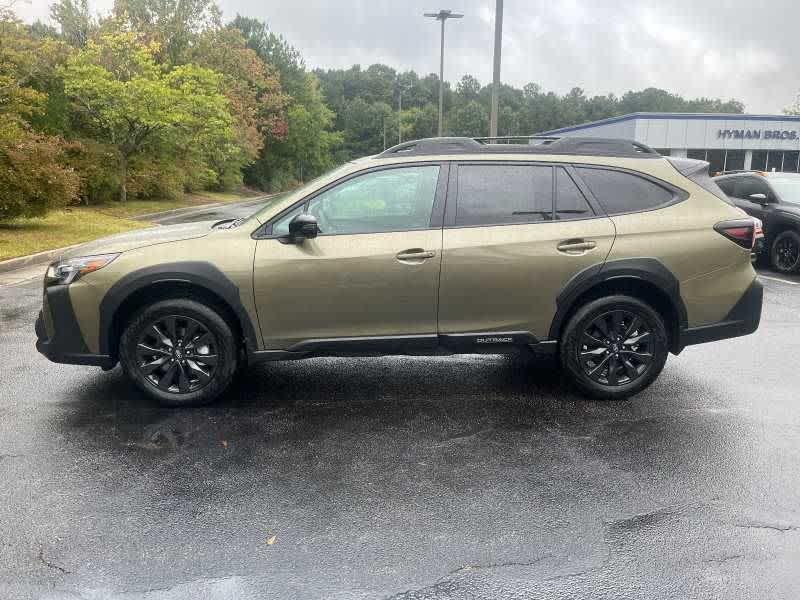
(226, 350)
(773, 251)
(571, 339)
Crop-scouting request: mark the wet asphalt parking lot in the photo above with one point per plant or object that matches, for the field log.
(408, 478)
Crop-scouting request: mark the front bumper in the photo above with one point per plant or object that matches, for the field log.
(743, 319)
(62, 341)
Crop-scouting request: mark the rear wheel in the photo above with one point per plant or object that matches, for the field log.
(180, 352)
(614, 347)
(785, 252)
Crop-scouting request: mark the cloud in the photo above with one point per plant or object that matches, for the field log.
(724, 49)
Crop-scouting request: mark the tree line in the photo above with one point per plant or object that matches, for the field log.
(161, 97)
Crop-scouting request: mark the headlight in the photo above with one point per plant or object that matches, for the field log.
(68, 270)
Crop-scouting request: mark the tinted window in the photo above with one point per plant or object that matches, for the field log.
(621, 192)
(745, 186)
(570, 203)
(726, 185)
(497, 194)
(390, 200)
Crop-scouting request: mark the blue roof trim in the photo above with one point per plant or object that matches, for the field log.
(686, 116)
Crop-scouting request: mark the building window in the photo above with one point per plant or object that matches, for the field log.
(759, 162)
(696, 154)
(734, 160)
(716, 158)
(774, 160)
(790, 160)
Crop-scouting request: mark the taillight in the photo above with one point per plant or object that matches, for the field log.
(744, 232)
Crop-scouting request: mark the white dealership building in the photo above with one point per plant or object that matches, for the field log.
(728, 141)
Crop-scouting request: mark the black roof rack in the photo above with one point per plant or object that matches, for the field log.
(533, 145)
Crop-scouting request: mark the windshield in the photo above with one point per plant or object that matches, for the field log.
(788, 189)
(266, 210)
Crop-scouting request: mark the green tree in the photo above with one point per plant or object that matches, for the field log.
(471, 120)
(173, 24)
(131, 104)
(74, 20)
(254, 93)
(33, 172)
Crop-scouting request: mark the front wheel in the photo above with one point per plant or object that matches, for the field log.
(785, 252)
(614, 347)
(180, 352)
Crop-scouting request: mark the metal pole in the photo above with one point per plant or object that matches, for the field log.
(498, 37)
(441, 81)
(399, 117)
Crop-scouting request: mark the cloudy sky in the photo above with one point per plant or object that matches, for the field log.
(716, 48)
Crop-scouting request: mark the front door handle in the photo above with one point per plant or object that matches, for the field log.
(415, 254)
(576, 246)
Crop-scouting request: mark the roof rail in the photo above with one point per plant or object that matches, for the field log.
(532, 145)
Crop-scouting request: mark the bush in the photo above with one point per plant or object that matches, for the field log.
(33, 177)
(96, 166)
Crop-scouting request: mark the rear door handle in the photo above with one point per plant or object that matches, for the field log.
(576, 246)
(415, 254)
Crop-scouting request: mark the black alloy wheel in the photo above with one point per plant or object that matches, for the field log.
(180, 352)
(786, 252)
(616, 348)
(177, 354)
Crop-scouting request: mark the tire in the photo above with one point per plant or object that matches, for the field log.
(583, 359)
(196, 352)
(784, 255)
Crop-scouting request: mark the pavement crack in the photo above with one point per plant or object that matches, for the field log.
(769, 526)
(51, 565)
(477, 567)
(723, 559)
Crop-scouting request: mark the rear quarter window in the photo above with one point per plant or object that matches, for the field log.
(621, 192)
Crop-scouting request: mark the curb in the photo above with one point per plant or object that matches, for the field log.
(12, 264)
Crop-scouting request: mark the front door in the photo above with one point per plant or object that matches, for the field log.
(373, 271)
(514, 235)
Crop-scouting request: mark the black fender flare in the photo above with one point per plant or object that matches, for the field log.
(197, 273)
(650, 270)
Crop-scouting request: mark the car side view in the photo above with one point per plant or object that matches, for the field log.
(601, 252)
(774, 198)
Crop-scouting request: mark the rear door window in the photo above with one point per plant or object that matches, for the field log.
(494, 194)
(570, 202)
(621, 192)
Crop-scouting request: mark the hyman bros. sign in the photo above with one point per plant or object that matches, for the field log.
(756, 134)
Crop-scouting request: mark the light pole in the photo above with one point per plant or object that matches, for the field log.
(442, 16)
(498, 37)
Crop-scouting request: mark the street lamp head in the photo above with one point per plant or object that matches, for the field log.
(444, 14)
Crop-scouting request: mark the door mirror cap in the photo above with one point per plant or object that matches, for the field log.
(303, 226)
(758, 198)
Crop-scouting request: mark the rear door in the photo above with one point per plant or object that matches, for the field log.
(515, 234)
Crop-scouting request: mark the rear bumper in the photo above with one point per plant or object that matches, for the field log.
(743, 319)
(64, 344)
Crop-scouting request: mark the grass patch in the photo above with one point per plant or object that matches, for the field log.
(59, 228)
(78, 224)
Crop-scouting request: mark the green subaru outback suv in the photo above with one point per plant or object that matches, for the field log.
(601, 252)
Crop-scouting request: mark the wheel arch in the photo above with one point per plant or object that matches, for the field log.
(646, 279)
(194, 280)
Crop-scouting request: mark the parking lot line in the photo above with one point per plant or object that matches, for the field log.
(779, 279)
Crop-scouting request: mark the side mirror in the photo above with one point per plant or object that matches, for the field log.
(758, 198)
(303, 226)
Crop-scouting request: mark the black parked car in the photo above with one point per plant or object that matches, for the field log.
(775, 199)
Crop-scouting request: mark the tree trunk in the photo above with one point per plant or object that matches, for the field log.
(123, 176)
